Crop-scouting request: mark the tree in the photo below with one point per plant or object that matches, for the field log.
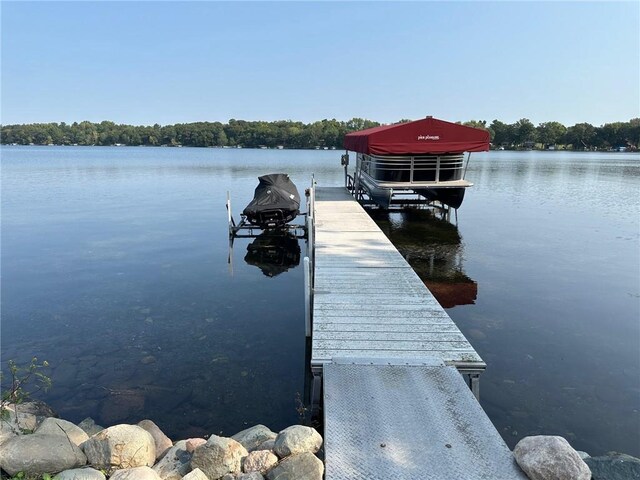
(580, 136)
(525, 131)
(550, 133)
(502, 133)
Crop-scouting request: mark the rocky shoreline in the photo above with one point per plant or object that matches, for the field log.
(35, 444)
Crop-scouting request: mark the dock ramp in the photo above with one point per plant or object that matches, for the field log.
(408, 421)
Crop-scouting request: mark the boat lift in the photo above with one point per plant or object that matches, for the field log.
(244, 229)
(252, 231)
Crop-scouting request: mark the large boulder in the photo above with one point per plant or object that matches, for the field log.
(121, 446)
(218, 457)
(252, 437)
(259, 461)
(297, 439)
(614, 466)
(545, 457)
(163, 443)
(57, 426)
(137, 473)
(175, 463)
(40, 453)
(304, 466)
(80, 474)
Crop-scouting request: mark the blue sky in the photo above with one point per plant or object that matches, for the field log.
(175, 62)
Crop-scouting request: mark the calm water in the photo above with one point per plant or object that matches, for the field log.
(115, 270)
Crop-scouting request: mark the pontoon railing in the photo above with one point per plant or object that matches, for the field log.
(414, 169)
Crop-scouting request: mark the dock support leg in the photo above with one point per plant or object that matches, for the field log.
(316, 392)
(474, 384)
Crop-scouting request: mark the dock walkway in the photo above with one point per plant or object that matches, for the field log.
(395, 402)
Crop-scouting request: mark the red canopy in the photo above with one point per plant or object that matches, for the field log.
(426, 136)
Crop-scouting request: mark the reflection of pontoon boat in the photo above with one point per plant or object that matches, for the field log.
(424, 157)
(276, 202)
(434, 249)
(274, 253)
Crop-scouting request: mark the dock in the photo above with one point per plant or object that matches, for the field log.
(389, 361)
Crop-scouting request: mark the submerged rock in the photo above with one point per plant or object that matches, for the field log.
(614, 466)
(546, 457)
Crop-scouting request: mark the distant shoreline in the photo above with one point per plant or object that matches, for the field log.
(320, 135)
(533, 149)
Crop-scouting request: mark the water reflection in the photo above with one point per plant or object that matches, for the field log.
(434, 248)
(273, 252)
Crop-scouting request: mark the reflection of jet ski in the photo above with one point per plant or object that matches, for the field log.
(273, 253)
(276, 201)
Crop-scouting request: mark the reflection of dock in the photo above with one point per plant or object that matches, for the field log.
(390, 358)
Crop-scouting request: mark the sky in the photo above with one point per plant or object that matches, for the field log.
(148, 62)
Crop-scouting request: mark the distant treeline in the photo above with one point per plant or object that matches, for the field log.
(324, 133)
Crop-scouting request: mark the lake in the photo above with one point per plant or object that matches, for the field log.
(115, 270)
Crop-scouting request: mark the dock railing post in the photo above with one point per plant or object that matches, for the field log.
(307, 297)
(229, 216)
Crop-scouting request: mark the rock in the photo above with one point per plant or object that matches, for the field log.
(297, 439)
(40, 453)
(80, 474)
(6, 432)
(303, 466)
(20, 422)
(175, 462)
(254, 436)
(195, 475)
(614, 466)
(163, 443)
(57, 426)
(268, 445)
(218, 457)
(35, 407)
(259, 461)
(90, 427)
(121, 446)
(582, 454)
(250, 476)
(137, 473)
(545, 457)
(228, 476)
(193, 443)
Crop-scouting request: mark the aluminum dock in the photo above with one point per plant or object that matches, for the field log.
(390, 362)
